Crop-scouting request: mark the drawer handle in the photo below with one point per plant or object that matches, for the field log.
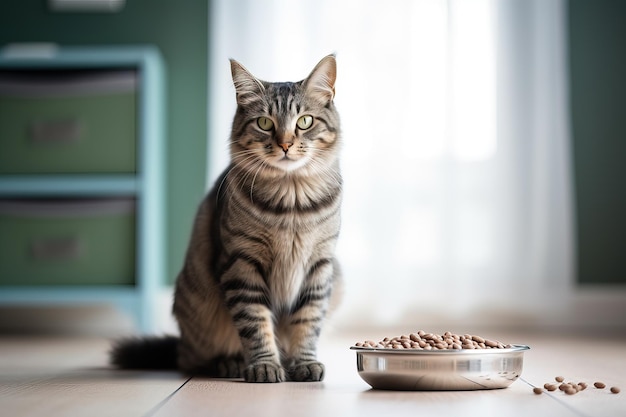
(56, 132)
(68, 248)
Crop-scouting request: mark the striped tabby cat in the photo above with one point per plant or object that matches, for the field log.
(260, 273)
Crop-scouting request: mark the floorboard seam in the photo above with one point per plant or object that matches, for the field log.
(161, 403)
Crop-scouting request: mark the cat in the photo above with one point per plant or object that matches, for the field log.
(260, 273)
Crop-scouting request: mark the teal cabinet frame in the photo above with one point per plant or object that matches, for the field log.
(147, 185)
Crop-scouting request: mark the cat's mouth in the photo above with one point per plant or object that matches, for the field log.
(288, 163)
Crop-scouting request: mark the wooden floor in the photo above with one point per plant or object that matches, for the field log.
(48, 376)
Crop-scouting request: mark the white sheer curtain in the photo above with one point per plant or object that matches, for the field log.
(456, 145)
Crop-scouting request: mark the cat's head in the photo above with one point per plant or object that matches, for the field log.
(285, 127)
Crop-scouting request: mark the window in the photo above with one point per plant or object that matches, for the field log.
(449, 170)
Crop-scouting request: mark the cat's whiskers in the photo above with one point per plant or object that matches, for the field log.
(322, 170)
(224, 178)
(262, 165)
(235, 158)
(248, 165)
(240, 164)
(326, 176)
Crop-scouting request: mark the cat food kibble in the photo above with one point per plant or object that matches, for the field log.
(571, 388)
(430, 341)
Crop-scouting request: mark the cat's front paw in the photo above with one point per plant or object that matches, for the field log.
(307, 372)
(264, 372)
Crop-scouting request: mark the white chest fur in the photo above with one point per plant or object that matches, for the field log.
(288, 270)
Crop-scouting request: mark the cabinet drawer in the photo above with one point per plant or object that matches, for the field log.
(67, 242)
(56, 122)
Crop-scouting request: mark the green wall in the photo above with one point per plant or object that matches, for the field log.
(598, 102)
(180, 30)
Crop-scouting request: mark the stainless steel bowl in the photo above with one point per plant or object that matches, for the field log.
(416, 370)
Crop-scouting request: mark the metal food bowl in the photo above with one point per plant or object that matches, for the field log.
(437, 370)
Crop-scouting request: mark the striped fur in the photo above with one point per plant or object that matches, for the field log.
(260, 273)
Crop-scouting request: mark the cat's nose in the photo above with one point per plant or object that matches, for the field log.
(285, 146)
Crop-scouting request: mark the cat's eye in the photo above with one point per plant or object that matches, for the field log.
(305, 122)
(265, 123)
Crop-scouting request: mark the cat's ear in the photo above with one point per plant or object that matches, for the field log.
(320, 84)
(247, 86)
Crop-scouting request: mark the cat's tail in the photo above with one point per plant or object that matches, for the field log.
(145, 353)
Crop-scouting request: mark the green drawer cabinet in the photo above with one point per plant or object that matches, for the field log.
(67, 242)
(82, 177)
(51, 123)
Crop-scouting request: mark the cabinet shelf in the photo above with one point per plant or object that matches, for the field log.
(65, 185)
(124, 298)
